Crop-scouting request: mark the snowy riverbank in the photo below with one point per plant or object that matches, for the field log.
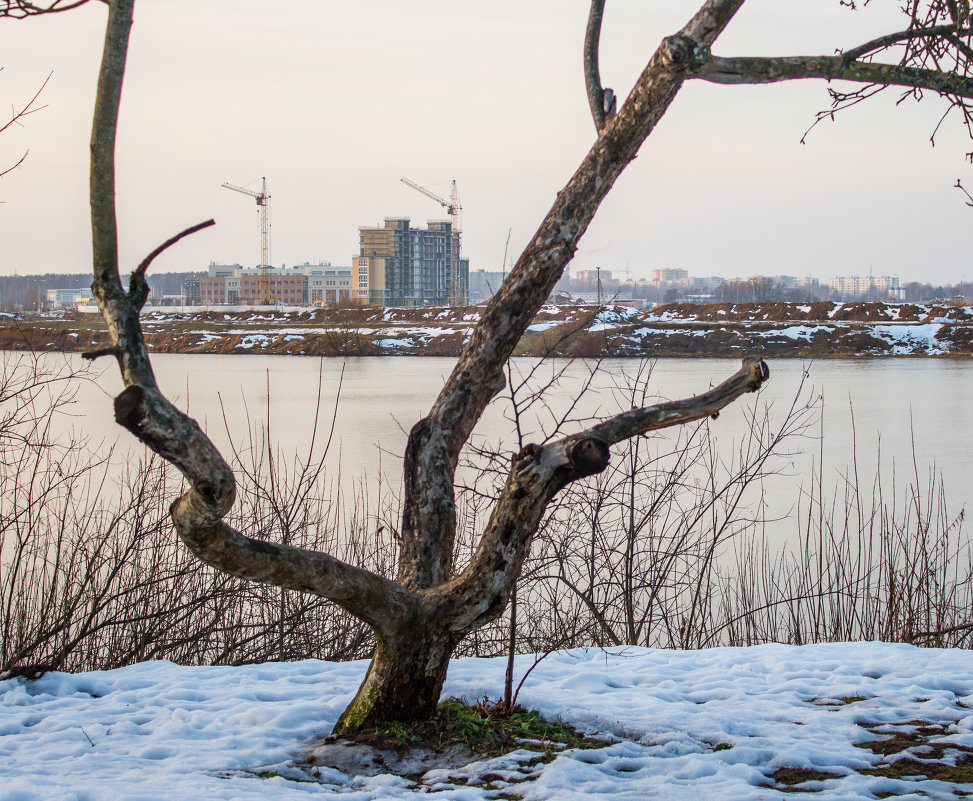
(724, 724)
(782, 330)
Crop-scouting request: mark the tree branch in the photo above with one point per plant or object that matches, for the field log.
(789, 68)
(883, 42)
(428, 521)
(539, 472)
(16, 116)
(13, 167)
(629, 424)
(28, 108)
(592, 77)
(20, 9)
(138, 288)
(142, 409)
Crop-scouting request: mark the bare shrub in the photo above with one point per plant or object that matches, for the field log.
(667, 547)
(92, 576)
(631, 556)
(892, 563)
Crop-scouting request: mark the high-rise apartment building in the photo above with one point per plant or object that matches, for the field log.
(398, 265)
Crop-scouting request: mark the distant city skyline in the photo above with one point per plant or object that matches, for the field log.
(334, 103)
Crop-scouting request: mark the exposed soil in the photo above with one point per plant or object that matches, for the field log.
(814, 330)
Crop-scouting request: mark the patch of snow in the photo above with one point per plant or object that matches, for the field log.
(803, 309)
(542, 326)
(393, 343)
(797, 331)
(690, 332)
(253, 341)
(711, 724)
(906, 339)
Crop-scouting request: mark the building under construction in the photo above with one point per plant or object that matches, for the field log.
(398, 265)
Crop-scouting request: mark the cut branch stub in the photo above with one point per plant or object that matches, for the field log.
(679, 51)
(126, 406)
(588, 456)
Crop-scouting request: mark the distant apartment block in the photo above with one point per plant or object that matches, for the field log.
(593, 276)
(869, 287)
(668, 276)
(799, 282)
(398, 265)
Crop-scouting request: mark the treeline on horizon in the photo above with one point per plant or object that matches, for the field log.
(24, 291)
(30, 291)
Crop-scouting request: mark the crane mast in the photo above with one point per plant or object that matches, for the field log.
(263, 209)
(454, 210)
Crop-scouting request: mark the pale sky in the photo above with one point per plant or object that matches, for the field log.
(334, 101)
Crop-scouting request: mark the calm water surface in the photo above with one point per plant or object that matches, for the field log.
(900, 406)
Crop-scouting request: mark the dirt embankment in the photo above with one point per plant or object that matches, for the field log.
(771, 329)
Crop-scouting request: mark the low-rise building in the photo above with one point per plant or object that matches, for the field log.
(62, 298)
(302, 285)
(327, 284)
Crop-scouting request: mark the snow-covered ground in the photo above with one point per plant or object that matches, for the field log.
(709, 725)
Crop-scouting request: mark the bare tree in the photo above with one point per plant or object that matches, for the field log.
(419, 618)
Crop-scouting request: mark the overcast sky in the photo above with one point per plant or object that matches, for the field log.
(334, 101)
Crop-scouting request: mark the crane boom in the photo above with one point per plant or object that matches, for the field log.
(453, 209)
(452, 206)
(263, 208)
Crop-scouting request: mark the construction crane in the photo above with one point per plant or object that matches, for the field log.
(263, 209)
(454, 210)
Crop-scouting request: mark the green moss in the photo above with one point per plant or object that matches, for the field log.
(483, 728)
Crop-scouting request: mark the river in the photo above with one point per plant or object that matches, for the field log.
(902, 408)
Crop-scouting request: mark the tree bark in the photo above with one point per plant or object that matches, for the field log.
(406, 674)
